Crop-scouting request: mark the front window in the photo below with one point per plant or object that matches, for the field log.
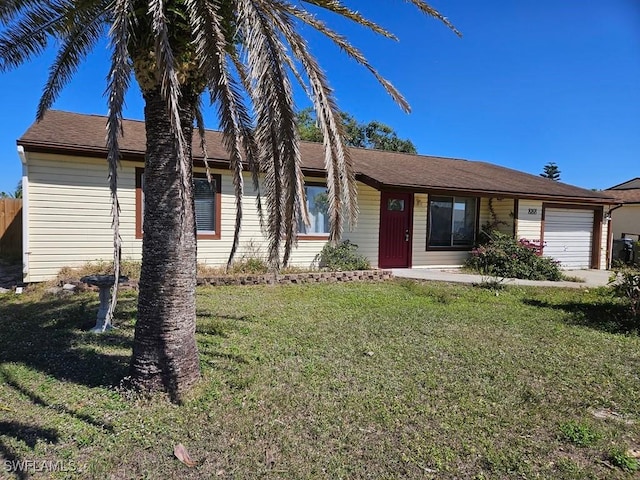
(317, 205)
(452, 221)
(207, 200)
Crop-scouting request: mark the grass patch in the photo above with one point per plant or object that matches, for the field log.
(580, 434)
(621, 459)
(383, 380)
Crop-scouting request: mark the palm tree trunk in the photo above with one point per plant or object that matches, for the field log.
(165, 356)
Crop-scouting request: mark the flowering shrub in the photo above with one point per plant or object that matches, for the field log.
(504, 256)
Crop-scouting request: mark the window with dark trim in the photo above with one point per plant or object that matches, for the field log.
(452, 221)
(317, 205)
(207, 199)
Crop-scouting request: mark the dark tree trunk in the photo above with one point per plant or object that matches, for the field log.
(165, 356)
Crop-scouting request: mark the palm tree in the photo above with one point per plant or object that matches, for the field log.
(243, 54)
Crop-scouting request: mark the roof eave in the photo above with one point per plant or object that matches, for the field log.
(378, 185)
(136, 155)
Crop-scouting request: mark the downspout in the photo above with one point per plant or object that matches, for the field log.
(610, 235)
(25, 213)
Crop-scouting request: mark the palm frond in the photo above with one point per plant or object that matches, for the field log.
(210, 44)
(337, 7)
(10, 9)
(29, 33)
(118, 84)
(86, 29)
(425, 8)
(276, 131)
(170, 88)
(340, 174)
(345, 46)
(249, 143)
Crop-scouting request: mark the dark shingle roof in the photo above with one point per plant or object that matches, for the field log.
(65, 132)
(625, 196)
(634, 183)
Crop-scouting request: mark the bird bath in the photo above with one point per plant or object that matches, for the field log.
(104, 283)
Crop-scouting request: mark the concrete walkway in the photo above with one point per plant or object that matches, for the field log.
(592, 278)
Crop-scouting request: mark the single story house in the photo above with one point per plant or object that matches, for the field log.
(625, 215)
(415, 210)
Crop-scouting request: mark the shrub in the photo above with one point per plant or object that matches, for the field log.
(128, 268)
(504, 256)
(625, 284)
(248, 266)
(342, 257)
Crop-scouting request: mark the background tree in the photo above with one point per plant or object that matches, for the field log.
(551, 171)
(364, 135)
(242, 55)
(16, 194)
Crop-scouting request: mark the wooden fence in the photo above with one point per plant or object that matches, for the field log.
(10, 227)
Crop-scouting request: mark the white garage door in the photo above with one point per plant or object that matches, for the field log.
(568, 236)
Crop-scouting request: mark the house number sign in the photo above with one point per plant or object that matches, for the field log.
(533, 211)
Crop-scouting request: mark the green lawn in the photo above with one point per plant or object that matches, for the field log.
(384, 380)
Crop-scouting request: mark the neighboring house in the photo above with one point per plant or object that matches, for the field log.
(625, 215)
(415, 211)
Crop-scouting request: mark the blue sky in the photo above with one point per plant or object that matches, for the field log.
(528, 83)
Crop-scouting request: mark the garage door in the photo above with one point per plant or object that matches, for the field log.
(568, 236)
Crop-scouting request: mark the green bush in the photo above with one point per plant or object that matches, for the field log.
(503, 256)
(625, 284)
(342, 257)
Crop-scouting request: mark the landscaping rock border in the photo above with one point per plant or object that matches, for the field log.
(297, 278)
(73, 285)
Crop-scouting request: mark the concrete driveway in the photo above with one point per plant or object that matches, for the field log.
(592, 278)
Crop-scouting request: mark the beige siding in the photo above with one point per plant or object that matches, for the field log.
(504, 210)
(433, 259)
(419, 255)
(604, 246)
(625, 220)
(69, 218)
(366, 233)
(529, 223)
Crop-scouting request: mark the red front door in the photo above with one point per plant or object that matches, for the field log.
(395, 230)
